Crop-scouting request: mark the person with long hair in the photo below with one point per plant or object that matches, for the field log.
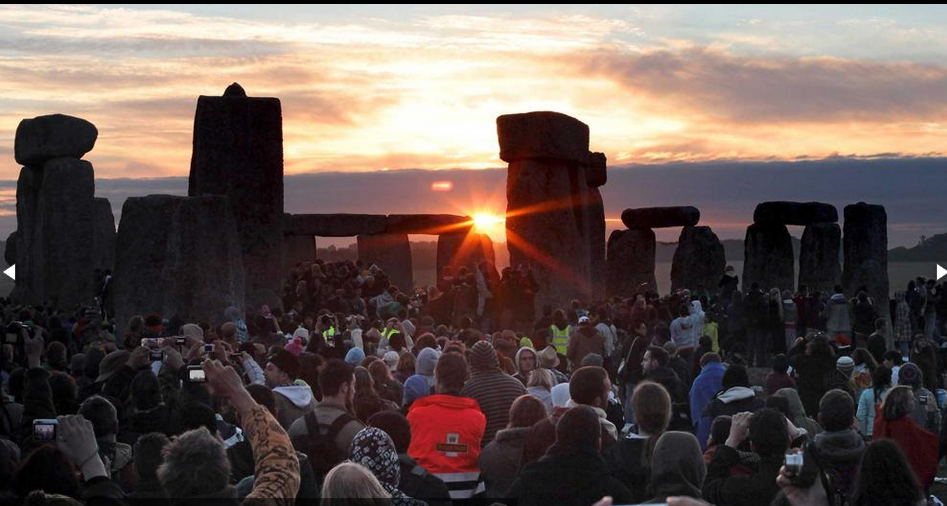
(872, 397)
(884, 478)
(351, 484)
(894, 422)
(629, 460)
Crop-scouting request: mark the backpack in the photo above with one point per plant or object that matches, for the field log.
(319, 444)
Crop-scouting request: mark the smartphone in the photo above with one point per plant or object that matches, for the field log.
(793, 462)
(44, 429)
(151, 342)
(195, 374)
(180, 340)
(208, 348)
(157, 355)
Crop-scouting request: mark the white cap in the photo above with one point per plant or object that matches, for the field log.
(583, 319)
(391, 360)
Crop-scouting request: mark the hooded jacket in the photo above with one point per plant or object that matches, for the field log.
(732, 401)
(840, 455)
(677, 467)
(838, 316)
(705, 386)
(524, 378)
(500, 460)
(446, 435)
(292, 402)
(567, 476)
(584, 341)
(422, 383)
(799, 418)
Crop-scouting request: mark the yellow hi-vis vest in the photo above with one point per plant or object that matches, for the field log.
(560, 338)
(330, 332)
(388, 333)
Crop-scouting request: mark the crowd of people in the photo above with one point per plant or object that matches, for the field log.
(356, 392)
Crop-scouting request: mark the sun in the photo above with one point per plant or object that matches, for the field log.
(488, 223)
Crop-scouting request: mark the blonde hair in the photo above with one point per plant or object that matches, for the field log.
(540, 377)
(354, 483)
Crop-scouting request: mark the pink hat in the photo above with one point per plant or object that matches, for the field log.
(295, 346)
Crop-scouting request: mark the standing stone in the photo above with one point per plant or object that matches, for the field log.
(55, 211)
(699, 259)
(547, 202)
(54, 136)
(238, 152)
(866, 253)
(298, 249)
(819, 267)
(795, 213)
(463, 249)
(630, 262)
(391, 252)
(103, 243)
(177, 256)
(768, 257)
(9, 250)
(596, 216)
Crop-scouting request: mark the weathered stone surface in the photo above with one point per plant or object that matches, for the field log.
(866, 253)
(552, 236)
(103, 241)
(699, 259)
(54, 136)
(434, 224)
(55, 210)
(392, 253)
(630, 263)
(335, 225)
(238, 153)
(596, 174)
(298, 249)
(542, 135)
(768, 257)
(596, 232)
(795, 213)
(178, 256)
(819, 267)
(660, 217)
(9, 250)
(463, 249)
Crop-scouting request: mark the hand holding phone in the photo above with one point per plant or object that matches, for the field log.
(195, 374)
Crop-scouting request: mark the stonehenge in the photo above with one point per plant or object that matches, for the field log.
(699, 259)
(391, 252)
(55, 205)
(167, 263)
(865, 249)
(818, 255)
(238, 153)
(463, 249)
(548, 202)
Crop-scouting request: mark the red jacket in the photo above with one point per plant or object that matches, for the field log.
(920, 446)
(446, 431)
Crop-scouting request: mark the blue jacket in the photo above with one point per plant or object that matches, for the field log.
(706, 385)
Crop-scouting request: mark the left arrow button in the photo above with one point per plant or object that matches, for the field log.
(11, 272)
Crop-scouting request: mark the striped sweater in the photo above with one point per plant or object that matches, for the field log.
(495, 392)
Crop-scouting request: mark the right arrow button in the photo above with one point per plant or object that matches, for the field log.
(941, 272)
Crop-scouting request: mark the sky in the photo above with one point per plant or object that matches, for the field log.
(389, 88)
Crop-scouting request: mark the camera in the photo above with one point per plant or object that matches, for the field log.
(794, 462)
(151, 342)
(195, 374)
(180, 340)
(208, 348)
(157, 355)
(44, 429)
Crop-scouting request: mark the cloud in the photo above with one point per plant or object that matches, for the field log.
(723, 86)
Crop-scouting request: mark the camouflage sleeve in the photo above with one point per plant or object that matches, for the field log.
(276, 466)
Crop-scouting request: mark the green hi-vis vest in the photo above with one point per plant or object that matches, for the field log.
(560, 338)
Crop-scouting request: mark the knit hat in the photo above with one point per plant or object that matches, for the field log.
(302, 332)
(526, 343)
(846, 365)
(286, 362)
(391, 360)
(548, 358)
(355, 356)
(111, 364)
(193, 331)
(483, 357)
(295, 346)
(910, 375)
